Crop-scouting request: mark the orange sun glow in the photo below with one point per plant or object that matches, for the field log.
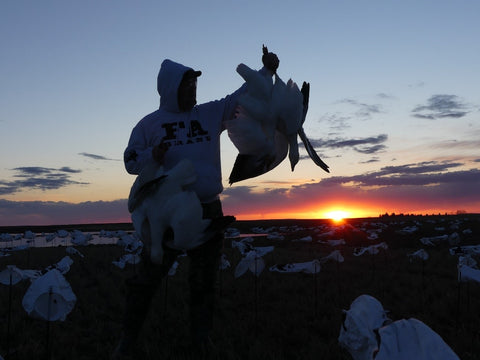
(337, 215)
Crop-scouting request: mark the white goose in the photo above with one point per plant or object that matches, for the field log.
(265, 128)
(161, 206)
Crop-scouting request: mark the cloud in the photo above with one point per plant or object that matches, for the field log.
(17, 213)
(385, 96)
(423, 174)
(368, 145)
(96, 157)
(337, 123)
(282, 182)
(371, 149)
(363, 110)
(458, 144)
(372, 160)
(441, 106)
(420, 168)
(42, 171)
(406, 188)
(419, 84)
(39, 178)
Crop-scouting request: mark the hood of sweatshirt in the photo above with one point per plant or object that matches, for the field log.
(168, 81)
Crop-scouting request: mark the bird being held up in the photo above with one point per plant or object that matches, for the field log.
(166, 213)
(268, 119)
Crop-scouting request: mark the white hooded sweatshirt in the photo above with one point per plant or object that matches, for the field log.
(193, 135)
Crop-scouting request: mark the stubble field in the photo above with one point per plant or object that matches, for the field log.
(274, 316)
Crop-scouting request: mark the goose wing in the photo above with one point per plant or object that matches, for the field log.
(144, 185)
(248, 166)
(308, 146)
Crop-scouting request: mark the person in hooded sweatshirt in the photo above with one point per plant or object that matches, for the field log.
(181, 129)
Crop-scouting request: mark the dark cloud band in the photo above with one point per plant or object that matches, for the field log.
(441, 106)
(96, 157)
(39, 178)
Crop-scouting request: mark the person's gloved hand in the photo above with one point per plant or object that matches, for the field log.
(158, 152)
(270, 60)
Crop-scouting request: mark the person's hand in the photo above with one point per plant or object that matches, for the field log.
(158, 152)
(270, 60)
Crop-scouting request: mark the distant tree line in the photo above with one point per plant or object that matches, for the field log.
(387, 215)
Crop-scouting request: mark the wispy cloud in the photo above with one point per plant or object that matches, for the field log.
(368, 145)
(336, 123)
(427, 173)
(441, 106)
(370, 149)
(458, 144)
(364, 110)
(385, 96)
(419, 168)
(97, 157)
(38, 178)
(419, 84)
(372, 160)
(26, 171)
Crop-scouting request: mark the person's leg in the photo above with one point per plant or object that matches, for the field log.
(140, 290)
(204, 264)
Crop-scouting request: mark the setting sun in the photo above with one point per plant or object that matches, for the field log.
(337, 215)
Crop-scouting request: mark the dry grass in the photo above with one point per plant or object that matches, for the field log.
(278, 316)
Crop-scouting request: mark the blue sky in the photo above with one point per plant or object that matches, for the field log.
(394, 103)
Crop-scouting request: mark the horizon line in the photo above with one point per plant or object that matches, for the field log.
(3, 228)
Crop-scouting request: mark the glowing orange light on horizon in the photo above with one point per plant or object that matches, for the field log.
(337, 215)
(334, 212)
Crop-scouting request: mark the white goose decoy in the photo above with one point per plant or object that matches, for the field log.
(367, 333)
(357, 332)
(268, 119)
(49, 297)
(407, 339)
(308, 267)
(11, 275)
(253, 262)
(159, 204)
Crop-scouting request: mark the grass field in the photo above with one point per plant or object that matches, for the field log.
(275, 316)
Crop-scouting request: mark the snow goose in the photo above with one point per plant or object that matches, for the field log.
(268, 119)
(165, 212)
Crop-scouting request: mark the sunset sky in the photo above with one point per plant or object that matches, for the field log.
(394, 102)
